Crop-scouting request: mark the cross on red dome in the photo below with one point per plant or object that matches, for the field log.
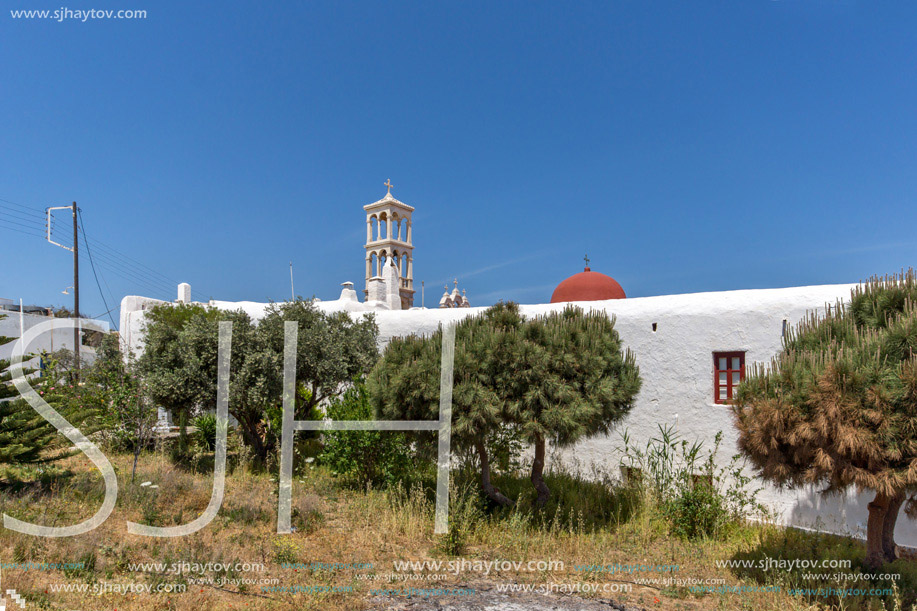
(588, 286)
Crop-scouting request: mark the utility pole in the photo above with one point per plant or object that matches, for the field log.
(77, 339)
(292, 290)
(76, 275)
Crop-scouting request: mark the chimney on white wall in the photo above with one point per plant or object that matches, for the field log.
(184, 293)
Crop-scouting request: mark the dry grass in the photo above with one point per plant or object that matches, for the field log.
(346, 526)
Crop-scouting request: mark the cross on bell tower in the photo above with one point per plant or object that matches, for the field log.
(388, 238)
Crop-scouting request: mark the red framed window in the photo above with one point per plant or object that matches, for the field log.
(728, 371)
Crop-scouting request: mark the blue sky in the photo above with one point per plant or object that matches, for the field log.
(686, 146)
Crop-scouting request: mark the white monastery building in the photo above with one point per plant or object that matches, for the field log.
(692, 351)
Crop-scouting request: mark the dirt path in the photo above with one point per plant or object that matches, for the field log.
(487, 598)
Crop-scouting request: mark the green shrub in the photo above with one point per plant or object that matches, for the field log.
(363, 458)
(26, 437)
(465, 512)
(692, 494)
(206, 431)
(697, 511)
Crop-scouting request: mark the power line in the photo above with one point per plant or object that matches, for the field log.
(171, 282)
(29, 208)
(112, 263)
(132, 274)
(22, 216)
(109, 258)
(129, 274)
(130, 268)
(93, 265)
(124, 276)
(155, 291)
(22, 231)
(6, 220)
(126, 261)
(116, 257)
(105, 282)
(104, 313)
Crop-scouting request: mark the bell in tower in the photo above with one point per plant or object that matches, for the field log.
(388, 238)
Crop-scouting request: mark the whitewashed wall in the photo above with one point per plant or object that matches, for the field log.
(676, 364)
(56, 339)
(131, 323)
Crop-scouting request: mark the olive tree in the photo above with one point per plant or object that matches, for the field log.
(176, 377)
(182, 349)
(256, 371)
(332, 349)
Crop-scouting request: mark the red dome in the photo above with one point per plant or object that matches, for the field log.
(588, 286)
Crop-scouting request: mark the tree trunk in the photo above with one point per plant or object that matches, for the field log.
(257, 444)
(491, 492)
(538, 473)
(250, 435)
(136, 457)
(183, 432)
(875, 525)
(138, 446)
(889, 548)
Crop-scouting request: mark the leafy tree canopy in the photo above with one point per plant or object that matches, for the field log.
(838, 406)
(561, 377)
(179, 364)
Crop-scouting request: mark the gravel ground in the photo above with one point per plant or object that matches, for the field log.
(487, 598)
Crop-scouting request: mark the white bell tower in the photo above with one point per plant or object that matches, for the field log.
(388, 238)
